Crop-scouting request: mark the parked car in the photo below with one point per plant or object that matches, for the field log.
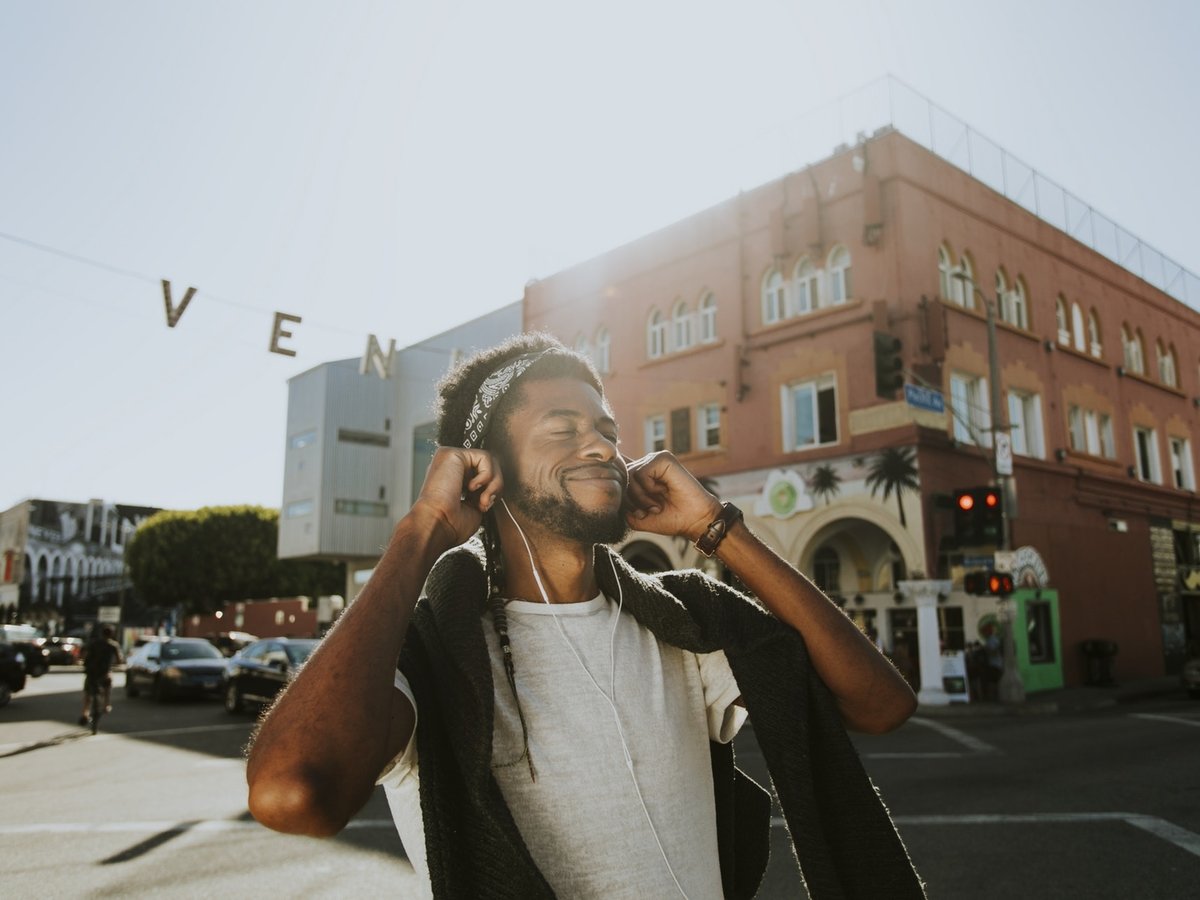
(175, 667)
(12, 671)
(25, 639)
(62, 651)
(256, 673)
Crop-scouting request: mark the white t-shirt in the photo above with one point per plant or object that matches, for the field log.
(582, 819)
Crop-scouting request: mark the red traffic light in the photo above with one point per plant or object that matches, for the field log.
(966, 502)
(1000, 583)
(991, 499)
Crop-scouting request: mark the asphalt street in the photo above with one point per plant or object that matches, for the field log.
(1100, 804)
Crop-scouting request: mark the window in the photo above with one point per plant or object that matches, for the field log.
(1012, 300)
(1145, 445)
(806, 292)
(298, 509)
(1166, 365)
(1182, 475)
(1132, 350)
(681, 327)
(581, 345)
(303, 439)
(1077, 328)
(964, 283)
(656, 434)
(603, 355)
(970, 409)
(945, 273)
(1095, 347)
(708, 426)
(827, 570)
(656, 335)
(708, 319)
(1090, 432)
(360, 508)
(370, 438)
(424, 446)
(810, 413)
(681, 430)
(1025, 420)
(774, 298)
(839, 275)
(1060, 320)
(1039, 628)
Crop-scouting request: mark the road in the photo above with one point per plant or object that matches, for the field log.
(1104, 804)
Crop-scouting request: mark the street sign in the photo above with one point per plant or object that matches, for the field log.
(924, 398)
(109, 614)
(1004, 456)
(977, 562)
(1004, 561)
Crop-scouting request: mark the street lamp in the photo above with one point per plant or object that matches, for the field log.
(1011, 688)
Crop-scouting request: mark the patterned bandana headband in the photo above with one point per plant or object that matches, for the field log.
(494, 387)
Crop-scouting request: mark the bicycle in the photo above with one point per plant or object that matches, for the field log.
(97, 690)
(97, 706)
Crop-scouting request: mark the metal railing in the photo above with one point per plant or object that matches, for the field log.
(889, 102)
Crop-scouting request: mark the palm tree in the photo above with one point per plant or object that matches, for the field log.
(894, 470)
(824, 481)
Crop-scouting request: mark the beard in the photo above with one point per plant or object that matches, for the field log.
(565, 516)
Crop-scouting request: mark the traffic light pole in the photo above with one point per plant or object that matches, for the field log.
(1011, 688)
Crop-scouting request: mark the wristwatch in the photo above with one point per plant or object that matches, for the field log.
(718, 528)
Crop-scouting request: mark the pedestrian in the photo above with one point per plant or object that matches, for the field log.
(100, 654)
(559, 724)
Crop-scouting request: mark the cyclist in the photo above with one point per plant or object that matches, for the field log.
(100, 654)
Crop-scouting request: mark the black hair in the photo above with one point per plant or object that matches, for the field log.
(456, 394)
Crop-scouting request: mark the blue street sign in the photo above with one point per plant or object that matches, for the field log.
(924, 398)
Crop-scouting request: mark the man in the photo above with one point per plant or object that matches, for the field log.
(546, 733)
(100, 654)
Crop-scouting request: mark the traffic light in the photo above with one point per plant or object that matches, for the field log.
(978, 516)
(984, 581)
(888, 375)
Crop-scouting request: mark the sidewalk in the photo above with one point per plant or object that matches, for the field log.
(1065, 700)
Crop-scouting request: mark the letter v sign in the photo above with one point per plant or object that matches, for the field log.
(173, 314)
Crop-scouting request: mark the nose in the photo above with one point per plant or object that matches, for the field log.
(597, 445)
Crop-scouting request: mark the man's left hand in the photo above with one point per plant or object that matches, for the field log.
(665, 498)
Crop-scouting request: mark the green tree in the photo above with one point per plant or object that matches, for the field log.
(825, 482)
(894, 471)
(202, 559)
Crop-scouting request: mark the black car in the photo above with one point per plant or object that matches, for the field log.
(175, 667)
(255, 674)
(26, 641)
(12, 671)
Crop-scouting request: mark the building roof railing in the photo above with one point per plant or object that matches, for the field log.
(888, 101)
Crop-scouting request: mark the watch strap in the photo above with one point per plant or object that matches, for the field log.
(717, 529)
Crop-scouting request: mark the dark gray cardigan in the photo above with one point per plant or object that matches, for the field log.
(841, 833)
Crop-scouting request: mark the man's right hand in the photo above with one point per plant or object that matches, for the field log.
(460, 486)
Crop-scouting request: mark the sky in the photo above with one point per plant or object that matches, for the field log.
(398, 168)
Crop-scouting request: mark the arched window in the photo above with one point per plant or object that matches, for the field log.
(708, 319)
(1019, 303)
(1166, 365)
(1002, 296)
(964, 283)
(656, 335)
(1095, 346)
(805, 292)
(839, 275)
(1077, 329)
(774, 297)
(681, 326)
(582, 347)
(603, 357)
(1060, 319)
(1132, 351)
(945, 273)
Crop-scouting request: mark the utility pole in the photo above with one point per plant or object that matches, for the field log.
(1011, 688)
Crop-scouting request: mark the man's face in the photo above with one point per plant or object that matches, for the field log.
(560, 461)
